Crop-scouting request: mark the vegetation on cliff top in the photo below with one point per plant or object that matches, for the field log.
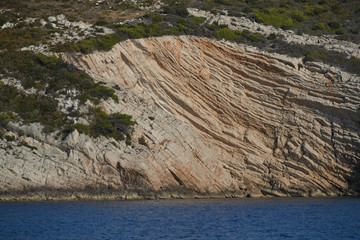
(310, 16)
(340, 18)
(159, 25)
(304, 16)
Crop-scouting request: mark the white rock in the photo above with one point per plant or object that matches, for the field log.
(52, 19)
(60, 17)
(43, 22)
(8, 25)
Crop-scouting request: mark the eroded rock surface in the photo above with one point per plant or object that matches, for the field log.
(219, 119)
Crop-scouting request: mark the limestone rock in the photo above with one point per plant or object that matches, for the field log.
(52, 19)
(220, 119)
(8, 25)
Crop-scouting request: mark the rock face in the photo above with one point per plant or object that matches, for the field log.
(219, 119)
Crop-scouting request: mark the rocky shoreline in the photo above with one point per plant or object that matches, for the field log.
(49, 194)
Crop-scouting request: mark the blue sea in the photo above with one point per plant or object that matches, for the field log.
(268, 218)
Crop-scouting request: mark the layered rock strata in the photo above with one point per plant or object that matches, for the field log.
(219, 119)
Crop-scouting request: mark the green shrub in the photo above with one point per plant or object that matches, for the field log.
(142, 141)
(98, 92)
(114, 125)
(298, 17)
(25, 144)
(8, 95)
(101, 92)
(181, 11)
(102, 43)
(47, 60)
(87, 45)
(334, 24)
(101, 22)
(316, 54)
(82, 128)
(314, 10)
(226, 2)
(339, 31)
(106, 43)
(319, 26)
(153, 30)
(133, 31)
(117, 87)
(39, 108)
(157, 18)
(4, 119)
(177, 9)
(21, 36)
(274, 36)
(352, 65)
(256, 37)
(355, 30)
(197, 20)
(227, 34)
(3, 19)
(121, 121)
(9, 138)
(115, 98)
(280, 17)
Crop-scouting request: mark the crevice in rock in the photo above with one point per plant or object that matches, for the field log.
(332, 137)
(177, 179)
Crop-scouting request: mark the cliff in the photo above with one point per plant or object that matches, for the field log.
(214, 119)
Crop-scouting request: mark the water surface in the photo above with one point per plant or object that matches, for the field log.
(274, 218)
